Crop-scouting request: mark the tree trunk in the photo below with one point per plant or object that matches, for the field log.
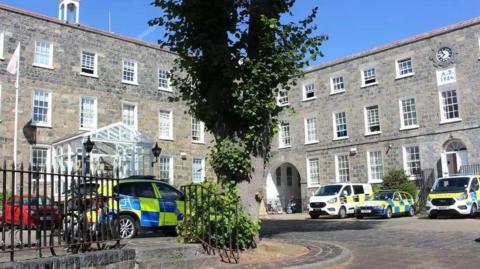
(251, 192)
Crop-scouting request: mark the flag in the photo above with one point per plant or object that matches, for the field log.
(12, 67)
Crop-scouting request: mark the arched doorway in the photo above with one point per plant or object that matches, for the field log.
(455, 156)
(283, 185)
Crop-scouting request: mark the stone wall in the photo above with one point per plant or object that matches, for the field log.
(66, 84)
(431, 135)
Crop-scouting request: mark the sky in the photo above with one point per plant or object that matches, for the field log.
(351, 25)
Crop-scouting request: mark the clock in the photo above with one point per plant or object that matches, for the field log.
(444, 54)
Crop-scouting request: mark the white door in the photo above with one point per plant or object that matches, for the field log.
(444, 164)
(462, 158)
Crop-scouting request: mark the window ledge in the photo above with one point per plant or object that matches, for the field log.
(375, 181)
(340, 138)
(166, 138)
(198, 142)
(1, 58)
(42, 125)
(405, 76)
(313, 185)
(339, 92)
(87, 128)
(43, 66)
(282, 105)
(409, 127)
(165, 90)
(284, 147)
(373, 133)
(130, 82)
(311, 142)
(89, 75)
(309, 99)
(450, 121)
(368, 85)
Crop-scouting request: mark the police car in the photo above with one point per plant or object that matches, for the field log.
(146, 203)
(338, 199)
(387, 203)
(455, 195)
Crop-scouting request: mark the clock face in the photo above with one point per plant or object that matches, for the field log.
(444, 54)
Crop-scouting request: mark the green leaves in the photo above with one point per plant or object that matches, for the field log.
(233, 57)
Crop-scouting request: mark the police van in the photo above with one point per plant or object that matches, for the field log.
(455, 195)
(339, 199)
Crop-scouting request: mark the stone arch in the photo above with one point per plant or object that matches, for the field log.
(283, 183)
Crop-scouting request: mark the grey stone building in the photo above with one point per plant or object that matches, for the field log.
(78, 82)
(411, 104)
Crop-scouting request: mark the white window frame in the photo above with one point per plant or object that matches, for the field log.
(2, 45)
(281, 98)
(479, 47)
(281, 135)
(1, 101)
(95, 64)
(402, 116)
(311, 86)
(95, 113)
(307, 131)
(397, 68)
(405, 161)
(201, 126)
(333, 84)
(135, 113)
(337, 168)
(367, 120)
(334, 119)
(310, 183)
(135, 72)
(170, 135)
(168, 88)
(48, 148)
(203, 169)
(50, 64)
(49, 111)
(443, 119)
(170, 163)
(369, 167)
(362, 73)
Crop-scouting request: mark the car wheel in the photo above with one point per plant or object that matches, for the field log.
(314, 216)
(473, 211)
(128, 227)
(170, 231)
(411, 212)
(342, 213)
(359, 217)
(388, 213)
(432, 216)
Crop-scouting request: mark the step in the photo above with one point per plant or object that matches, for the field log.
(201, 261)
(168, 251)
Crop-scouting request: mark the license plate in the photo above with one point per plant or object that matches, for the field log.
(443, 208)
(365, 211)
(45, 218)
(317, 209)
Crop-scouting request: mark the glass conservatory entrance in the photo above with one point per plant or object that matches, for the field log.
(116, 146)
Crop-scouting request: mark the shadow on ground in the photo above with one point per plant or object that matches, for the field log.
(275, 227)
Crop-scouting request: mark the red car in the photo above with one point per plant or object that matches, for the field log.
(36, 211)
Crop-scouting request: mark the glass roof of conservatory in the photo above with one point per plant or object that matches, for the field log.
(114, 133)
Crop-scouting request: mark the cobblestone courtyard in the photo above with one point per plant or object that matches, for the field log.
(396, 243)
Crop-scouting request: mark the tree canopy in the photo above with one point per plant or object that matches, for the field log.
(234, 57)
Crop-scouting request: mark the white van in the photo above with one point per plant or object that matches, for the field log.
(339, 199)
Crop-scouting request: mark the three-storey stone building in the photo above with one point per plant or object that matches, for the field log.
(78, 82)
(411, 105)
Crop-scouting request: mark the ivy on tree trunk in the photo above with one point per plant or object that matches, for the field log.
(234, 57)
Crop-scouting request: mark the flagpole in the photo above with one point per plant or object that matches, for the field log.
(17, 83)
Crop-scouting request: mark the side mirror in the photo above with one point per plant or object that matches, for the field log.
(345, 193)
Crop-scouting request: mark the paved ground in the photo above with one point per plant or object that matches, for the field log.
(396, 243)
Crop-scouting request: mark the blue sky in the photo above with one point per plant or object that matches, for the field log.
(352, 25)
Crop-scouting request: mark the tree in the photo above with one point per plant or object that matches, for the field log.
(234, 57)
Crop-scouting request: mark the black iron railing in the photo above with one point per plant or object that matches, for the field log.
(56, 211)
(205, 221)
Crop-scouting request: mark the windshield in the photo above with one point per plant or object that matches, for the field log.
(328, 190)
(455, 184)
(43, 201)
(383, 195)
